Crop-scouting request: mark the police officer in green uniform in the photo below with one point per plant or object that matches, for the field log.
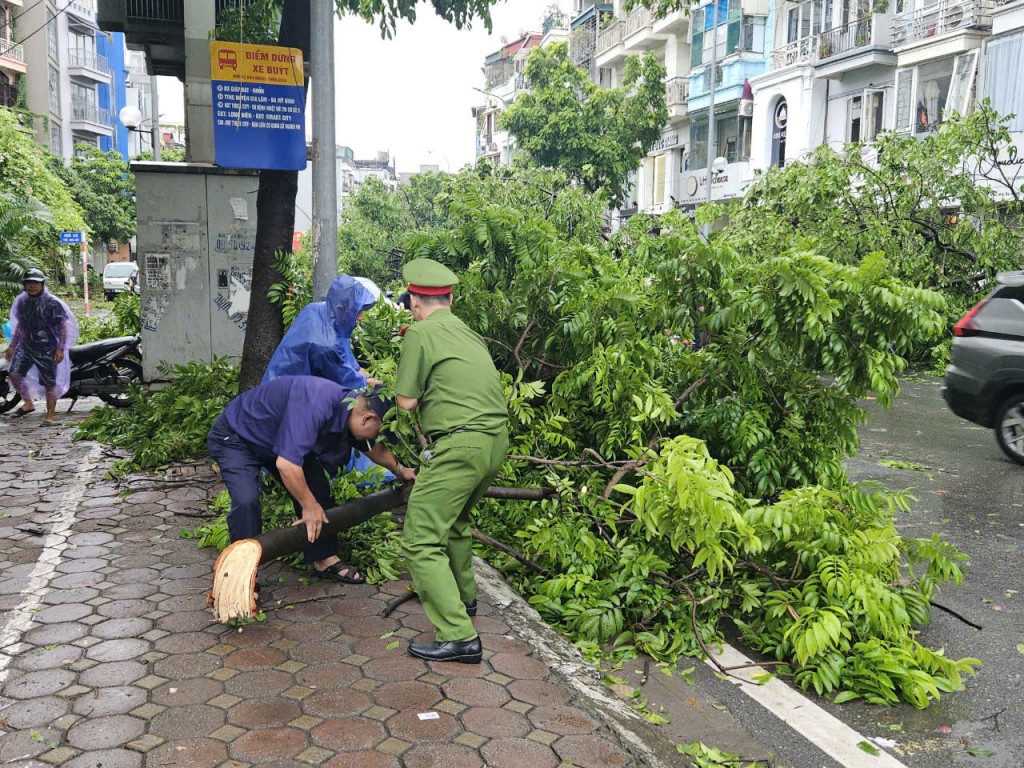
(447, 373)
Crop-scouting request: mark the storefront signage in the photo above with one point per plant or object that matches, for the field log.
(668, 141)
(780, 120)
(258, 106)
(693, 186)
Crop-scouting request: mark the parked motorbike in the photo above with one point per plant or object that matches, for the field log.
(103, 369)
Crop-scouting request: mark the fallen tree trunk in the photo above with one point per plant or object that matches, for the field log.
(234, 574)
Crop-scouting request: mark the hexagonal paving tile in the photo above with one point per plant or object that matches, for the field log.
(105, 732)
(42, 683)
(447, 755)
(409, 727)
(189, 753)
(495, 722)
(476, 692)
(33, 713)
(261, 713)
(269, 744)
(197, 690)
(190, 721)
(590, 752)
(349, 734)
(407, 694)
(118, 700)
(563, 720)
(122, 649)
(518, 753)
(519, 667)
(108, 758)
(337, 703)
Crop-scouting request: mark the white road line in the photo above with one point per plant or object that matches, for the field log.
(831, 736)
(39, 579)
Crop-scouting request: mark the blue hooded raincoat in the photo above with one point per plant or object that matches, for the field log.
(319, 342)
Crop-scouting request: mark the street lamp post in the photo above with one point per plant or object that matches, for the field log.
(131, 118)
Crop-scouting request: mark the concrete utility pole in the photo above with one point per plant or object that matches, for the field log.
(325, 181)
(154, 106)
(712, 133)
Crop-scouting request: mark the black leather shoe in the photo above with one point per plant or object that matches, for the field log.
(462, 651)
(471, 608)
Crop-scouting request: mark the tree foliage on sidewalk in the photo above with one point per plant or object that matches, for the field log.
(691, 486)
(596, 135)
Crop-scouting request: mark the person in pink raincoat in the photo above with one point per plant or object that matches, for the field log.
(44, 329)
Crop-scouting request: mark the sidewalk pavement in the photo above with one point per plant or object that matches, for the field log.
(109, 657)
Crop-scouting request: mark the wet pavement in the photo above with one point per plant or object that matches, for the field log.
(109, 657)
(972, 496)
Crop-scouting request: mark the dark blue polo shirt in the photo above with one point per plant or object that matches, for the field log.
(293, 417)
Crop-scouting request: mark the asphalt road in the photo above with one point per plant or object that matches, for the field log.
(973, 497)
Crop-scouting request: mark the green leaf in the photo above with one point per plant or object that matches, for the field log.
(979, 752)
(392, 645)
(865, 746)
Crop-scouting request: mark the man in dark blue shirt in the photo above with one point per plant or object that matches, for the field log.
(299, 428)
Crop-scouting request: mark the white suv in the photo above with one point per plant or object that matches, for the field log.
(118, 277)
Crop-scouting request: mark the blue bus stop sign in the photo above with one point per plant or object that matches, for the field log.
(70, 238)
(258, 106)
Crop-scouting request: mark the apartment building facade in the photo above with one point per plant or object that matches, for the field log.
(841, 71)
(74, 75)
(12, 57)
(789, 76)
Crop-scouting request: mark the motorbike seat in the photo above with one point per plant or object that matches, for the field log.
(91, 351)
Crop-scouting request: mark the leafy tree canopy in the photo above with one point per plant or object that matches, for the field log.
(917, 201)
(25, 172)
(596, 135)
(259, 21)
(102, 184)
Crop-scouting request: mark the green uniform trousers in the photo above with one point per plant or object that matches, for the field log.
(437, 538)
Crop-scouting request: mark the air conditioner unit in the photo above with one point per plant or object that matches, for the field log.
(746, 109)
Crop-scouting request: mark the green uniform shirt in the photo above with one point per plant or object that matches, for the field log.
(447, 367)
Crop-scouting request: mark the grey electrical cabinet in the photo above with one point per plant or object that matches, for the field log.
(196, 238)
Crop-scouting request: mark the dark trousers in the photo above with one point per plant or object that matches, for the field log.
(240, 469)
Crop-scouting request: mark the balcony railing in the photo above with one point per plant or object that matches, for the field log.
(90, 113)
(610, 36)
(803, 51)
(83, 8)
(846, 38)
(939, 19)
(77, 57)
(639, 19)
(12, 50)
(156, 11)
(521, 84)
(677, 91)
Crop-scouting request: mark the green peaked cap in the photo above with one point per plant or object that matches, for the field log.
(429, 274)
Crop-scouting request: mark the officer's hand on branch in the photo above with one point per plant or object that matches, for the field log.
(313, 518)
(406, 475)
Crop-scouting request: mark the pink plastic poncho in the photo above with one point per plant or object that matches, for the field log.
(42, 320)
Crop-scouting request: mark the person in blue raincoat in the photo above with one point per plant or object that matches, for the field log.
(319, 343)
